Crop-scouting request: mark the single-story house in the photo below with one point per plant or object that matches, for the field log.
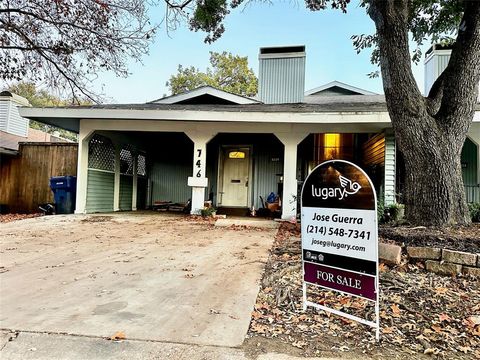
(208, 144)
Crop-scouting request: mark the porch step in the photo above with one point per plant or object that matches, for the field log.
(261, 223)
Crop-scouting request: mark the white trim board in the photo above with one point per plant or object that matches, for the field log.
(340, 85)
(205, 90)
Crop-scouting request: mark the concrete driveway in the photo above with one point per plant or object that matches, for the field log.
(150, 276)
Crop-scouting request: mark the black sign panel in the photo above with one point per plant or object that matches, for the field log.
(338, 184)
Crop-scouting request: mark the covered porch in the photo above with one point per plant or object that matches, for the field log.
(132, 165)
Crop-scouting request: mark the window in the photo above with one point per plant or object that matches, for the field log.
(141, 165)
(236, 155)
(332, 146)
(126, 160)
(101, 154)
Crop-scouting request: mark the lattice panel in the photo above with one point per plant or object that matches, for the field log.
(141, 165)
(126, 160)
(101, 153)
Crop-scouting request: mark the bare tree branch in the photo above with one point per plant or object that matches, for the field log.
(66, 44)
(461, 80)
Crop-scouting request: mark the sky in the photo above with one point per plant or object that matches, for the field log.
(326, 35)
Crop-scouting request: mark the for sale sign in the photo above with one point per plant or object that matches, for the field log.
(339, 233)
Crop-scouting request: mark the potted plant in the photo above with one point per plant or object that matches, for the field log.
(208, 211)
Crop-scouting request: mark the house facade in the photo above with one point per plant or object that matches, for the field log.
(208, 144)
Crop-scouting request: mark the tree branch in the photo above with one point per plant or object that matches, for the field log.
(435, 95)
(73, 84)
(462, 74)
(178, 6)
(401, 90)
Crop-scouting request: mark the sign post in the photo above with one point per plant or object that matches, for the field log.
(340, 235)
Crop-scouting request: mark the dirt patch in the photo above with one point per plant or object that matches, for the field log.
(454, 238)
(97, 219)
(257, 345)
(422, 314)
(4, 218)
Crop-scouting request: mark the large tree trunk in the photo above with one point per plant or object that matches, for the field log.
(434, 192)
(430, 132)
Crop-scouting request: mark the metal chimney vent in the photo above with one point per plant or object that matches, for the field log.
(281, 74)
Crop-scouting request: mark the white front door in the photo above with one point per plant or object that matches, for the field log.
(236, 166)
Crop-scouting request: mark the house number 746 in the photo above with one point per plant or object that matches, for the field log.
(199, 163)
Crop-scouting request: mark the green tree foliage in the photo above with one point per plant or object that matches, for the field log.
(36, 97)
(228, 72)
(42, 98)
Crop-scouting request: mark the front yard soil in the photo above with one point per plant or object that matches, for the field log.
(454, 238)
(423, 315)
(4, 218)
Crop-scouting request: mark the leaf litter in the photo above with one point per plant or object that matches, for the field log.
(422, 315)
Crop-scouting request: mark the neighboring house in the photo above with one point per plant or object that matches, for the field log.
(28, 158)
(210, 144)
(15, 129)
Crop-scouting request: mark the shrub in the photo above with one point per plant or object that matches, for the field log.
(474, 211)
(381, 210)
(396, 211)
(208, 211)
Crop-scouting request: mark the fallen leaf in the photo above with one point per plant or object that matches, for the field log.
(388, 330)
(259, 328)
(437, 328)
(395, 310)
(444, 317)
(441, 290)
(256, 315)
(472, 321)
(465, 349)
(119, 335)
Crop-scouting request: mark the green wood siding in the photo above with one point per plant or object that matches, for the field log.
(99, 191)
(125, 201)
(267, 163)
(169, 178)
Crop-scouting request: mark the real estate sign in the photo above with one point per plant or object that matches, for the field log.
(339, 234)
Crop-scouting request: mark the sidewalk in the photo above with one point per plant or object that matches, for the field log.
(42, 346)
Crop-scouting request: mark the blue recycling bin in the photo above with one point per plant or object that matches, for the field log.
(64, 190)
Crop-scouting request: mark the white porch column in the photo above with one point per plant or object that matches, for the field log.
(134, 181)
(82, 171)
(116, 183)
(198, 181)
(290, 184)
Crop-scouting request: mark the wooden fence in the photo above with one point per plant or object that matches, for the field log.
(24, 178)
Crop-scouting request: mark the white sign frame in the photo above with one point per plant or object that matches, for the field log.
(374, 324)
